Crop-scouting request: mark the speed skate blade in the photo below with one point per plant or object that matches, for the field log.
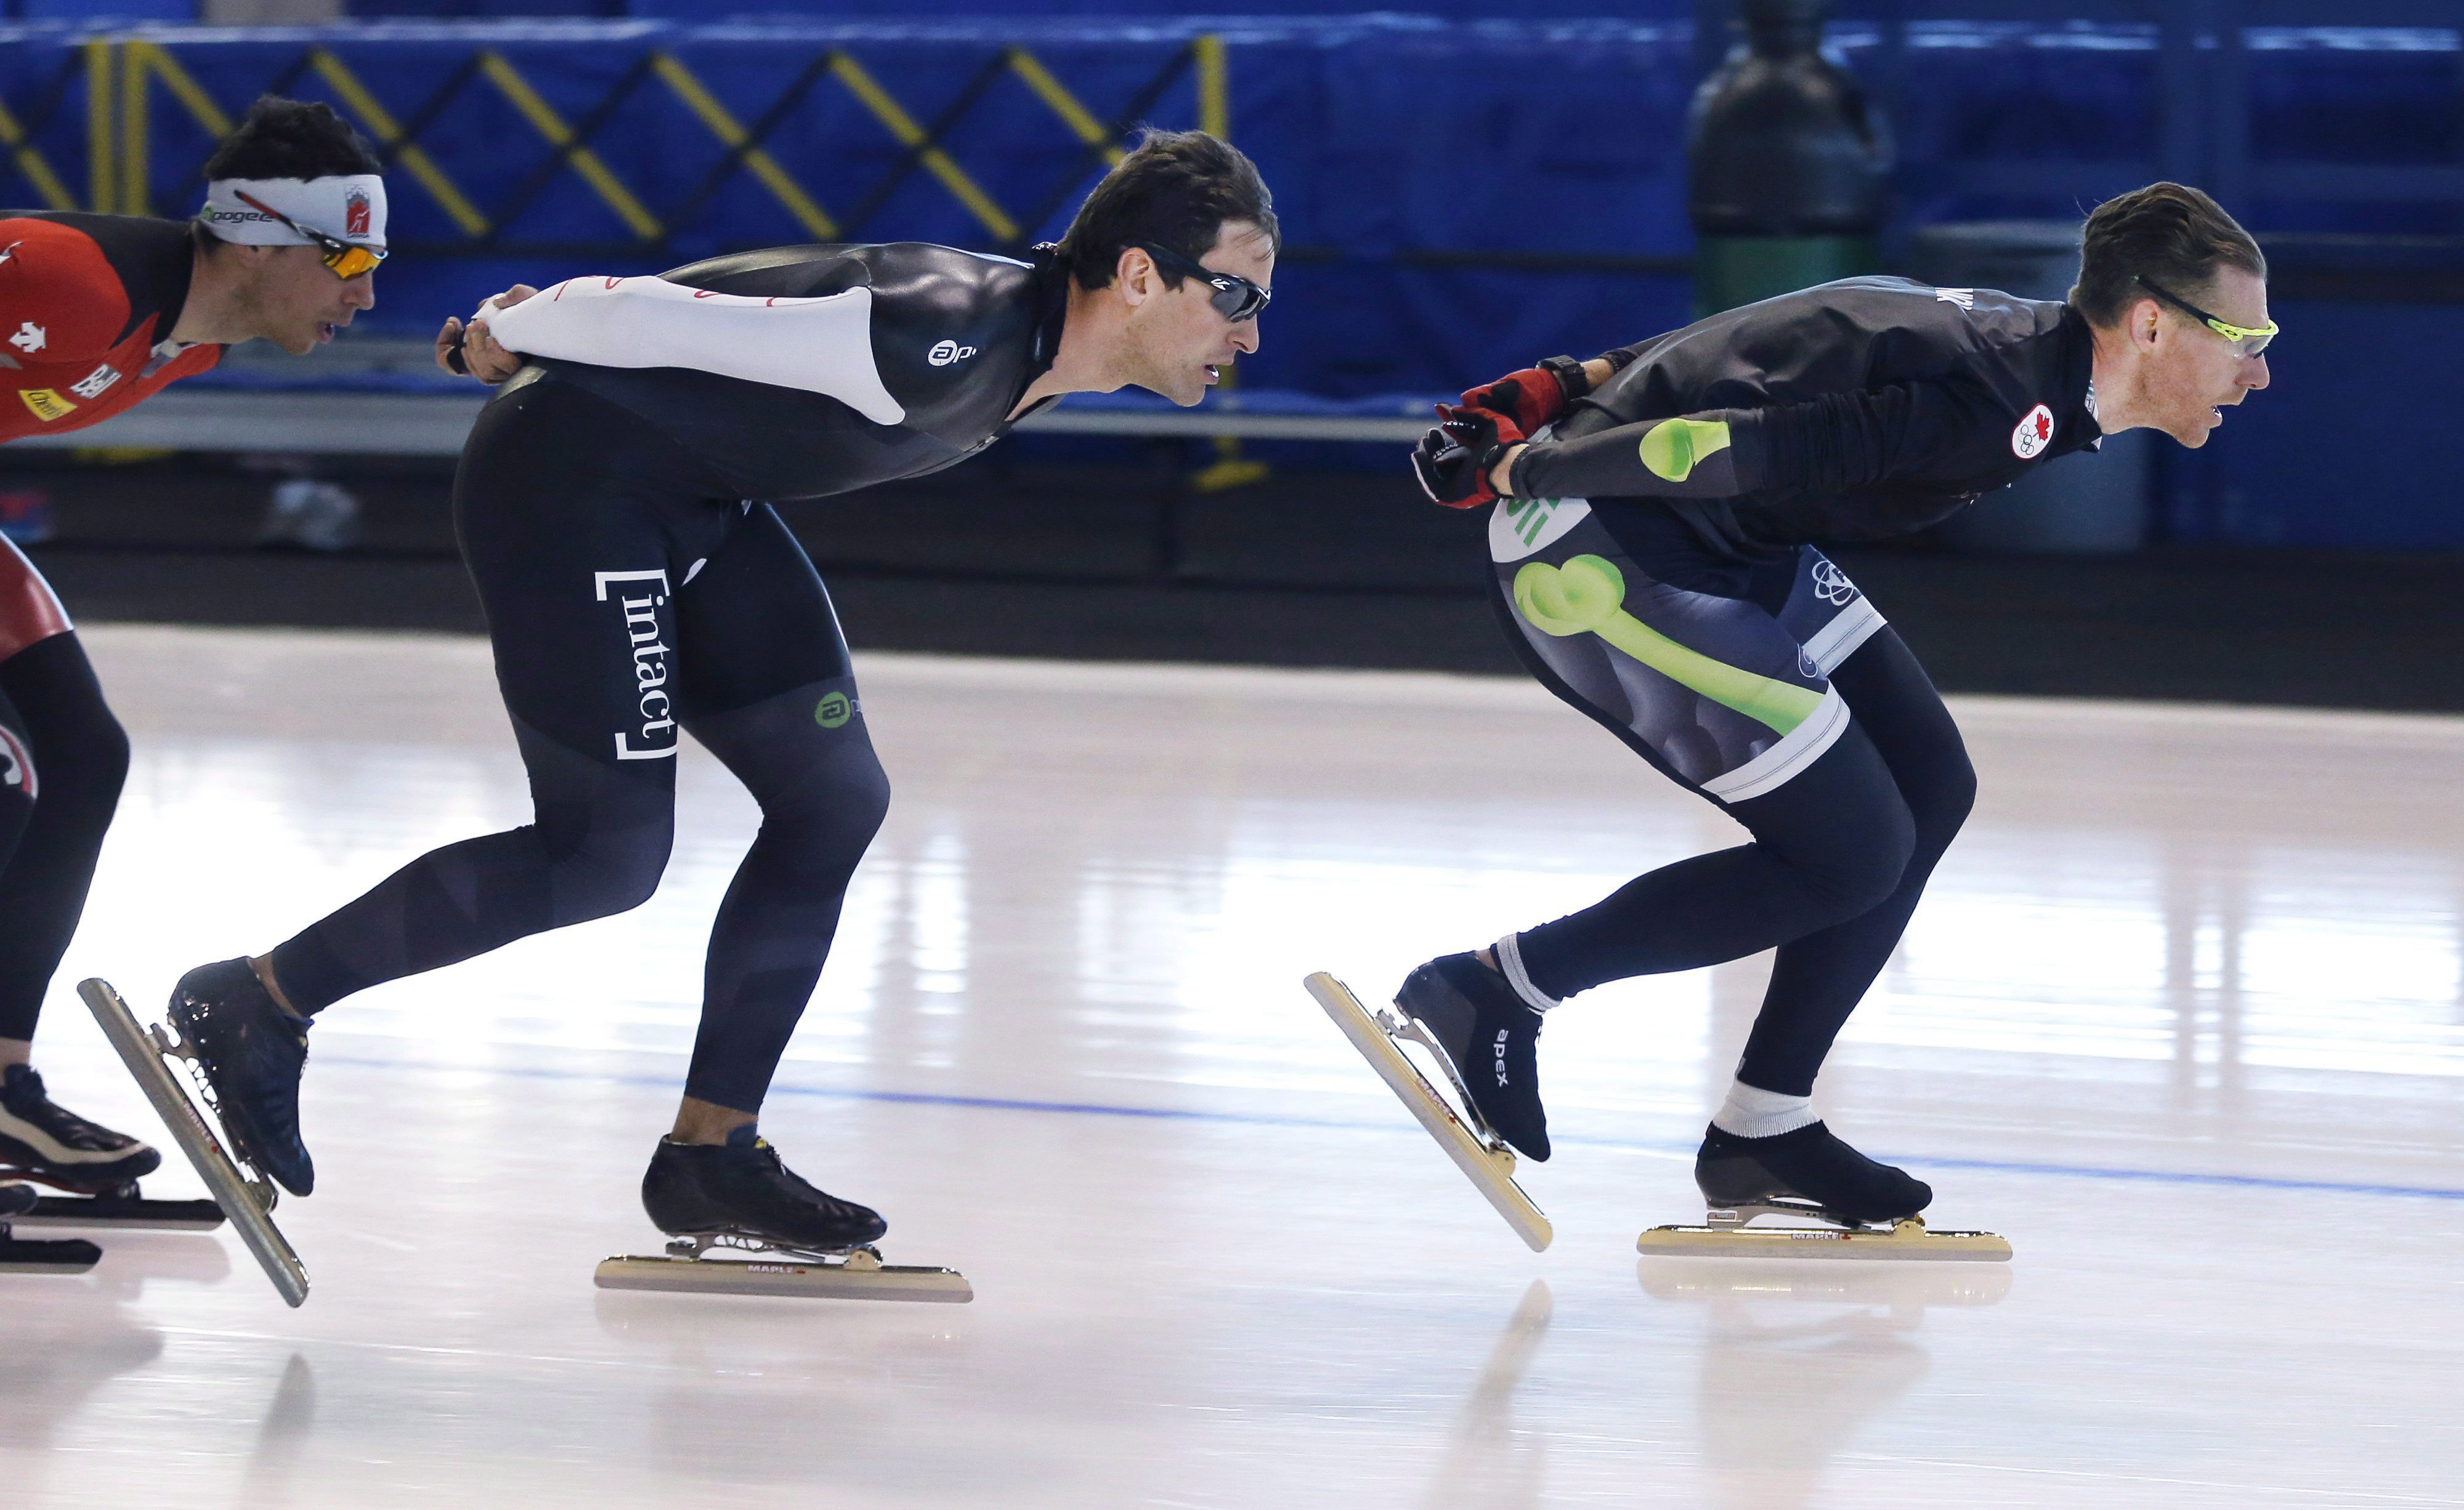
(143, 1051)
(28, 1256)
(813, 1279)
(1909, 1238)
(1491, 1169)
(131, 1213)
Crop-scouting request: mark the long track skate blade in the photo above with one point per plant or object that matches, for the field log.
(122, 1213)
(796, 1278)
(1910, 1239)
(27, 1255)
(1491, 1170)
(230, 1190)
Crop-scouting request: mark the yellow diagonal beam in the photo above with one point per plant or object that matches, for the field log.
(903, 126)
(184, 87)
(760, 164)
(550, 126)
(136, 127)
(13, 136)
(1063, 104)
(415, 162)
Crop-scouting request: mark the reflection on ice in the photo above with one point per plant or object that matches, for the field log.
(1061, 1045)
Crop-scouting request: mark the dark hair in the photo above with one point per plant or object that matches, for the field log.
(2168, 234)
(291, 139)
(1175, 188)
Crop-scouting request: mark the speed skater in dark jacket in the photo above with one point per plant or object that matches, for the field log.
(1653, 514)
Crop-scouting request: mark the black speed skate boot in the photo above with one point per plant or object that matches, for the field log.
(1806, 1171)
(1488, 1038)
(740, 1194)
(42, 1140)
(252, 1052)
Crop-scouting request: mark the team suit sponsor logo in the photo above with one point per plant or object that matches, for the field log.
(1831, 585)
(16, 765)
(92, 385)
(47, 404)
(30, 337)
(641, 595)
(946, 352)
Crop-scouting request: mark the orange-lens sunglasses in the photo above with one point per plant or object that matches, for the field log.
(347, 259)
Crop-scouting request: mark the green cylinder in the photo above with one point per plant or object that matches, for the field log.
(1729, 271)
(1788, 165)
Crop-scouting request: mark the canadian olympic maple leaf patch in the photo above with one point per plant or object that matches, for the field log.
(2034, 433)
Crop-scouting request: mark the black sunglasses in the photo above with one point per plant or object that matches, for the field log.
(1236, 298)
(2246, 340)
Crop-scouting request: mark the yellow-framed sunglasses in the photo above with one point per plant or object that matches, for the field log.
(347, 259)
(2244, 340)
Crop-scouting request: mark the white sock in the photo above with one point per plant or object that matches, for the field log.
(1509, 964)
(1753, 1112)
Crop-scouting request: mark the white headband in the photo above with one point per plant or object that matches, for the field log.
(349, 208)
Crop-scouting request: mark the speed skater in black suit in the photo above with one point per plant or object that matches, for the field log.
(614, 506)
(1652, 519)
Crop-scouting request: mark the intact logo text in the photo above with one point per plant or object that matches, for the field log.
(641, 595)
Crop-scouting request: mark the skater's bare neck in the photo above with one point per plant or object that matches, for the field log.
(707, 1121)
(263, 965)
(15, 1051)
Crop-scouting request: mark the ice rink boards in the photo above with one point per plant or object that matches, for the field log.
(2181, 1017)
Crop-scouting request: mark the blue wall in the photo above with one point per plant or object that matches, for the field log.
(1428, 172)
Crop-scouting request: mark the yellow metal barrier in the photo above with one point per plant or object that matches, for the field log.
(30, 163)
(141, 59)
(388, 134)
(120, 73)
(544, 120)
(763, 166)
(903, 126)
(1214, 87)
(1230, 468)
(102, 161)
(136, 133)
(1062, 102)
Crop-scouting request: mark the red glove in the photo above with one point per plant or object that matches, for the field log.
(1534, 396)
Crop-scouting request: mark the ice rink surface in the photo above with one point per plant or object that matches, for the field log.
(2181, 1017)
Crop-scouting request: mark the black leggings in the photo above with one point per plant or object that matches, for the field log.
(628, 598)
(63, 758)
(1843, 844)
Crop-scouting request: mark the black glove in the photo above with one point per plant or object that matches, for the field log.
(1454, 460)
